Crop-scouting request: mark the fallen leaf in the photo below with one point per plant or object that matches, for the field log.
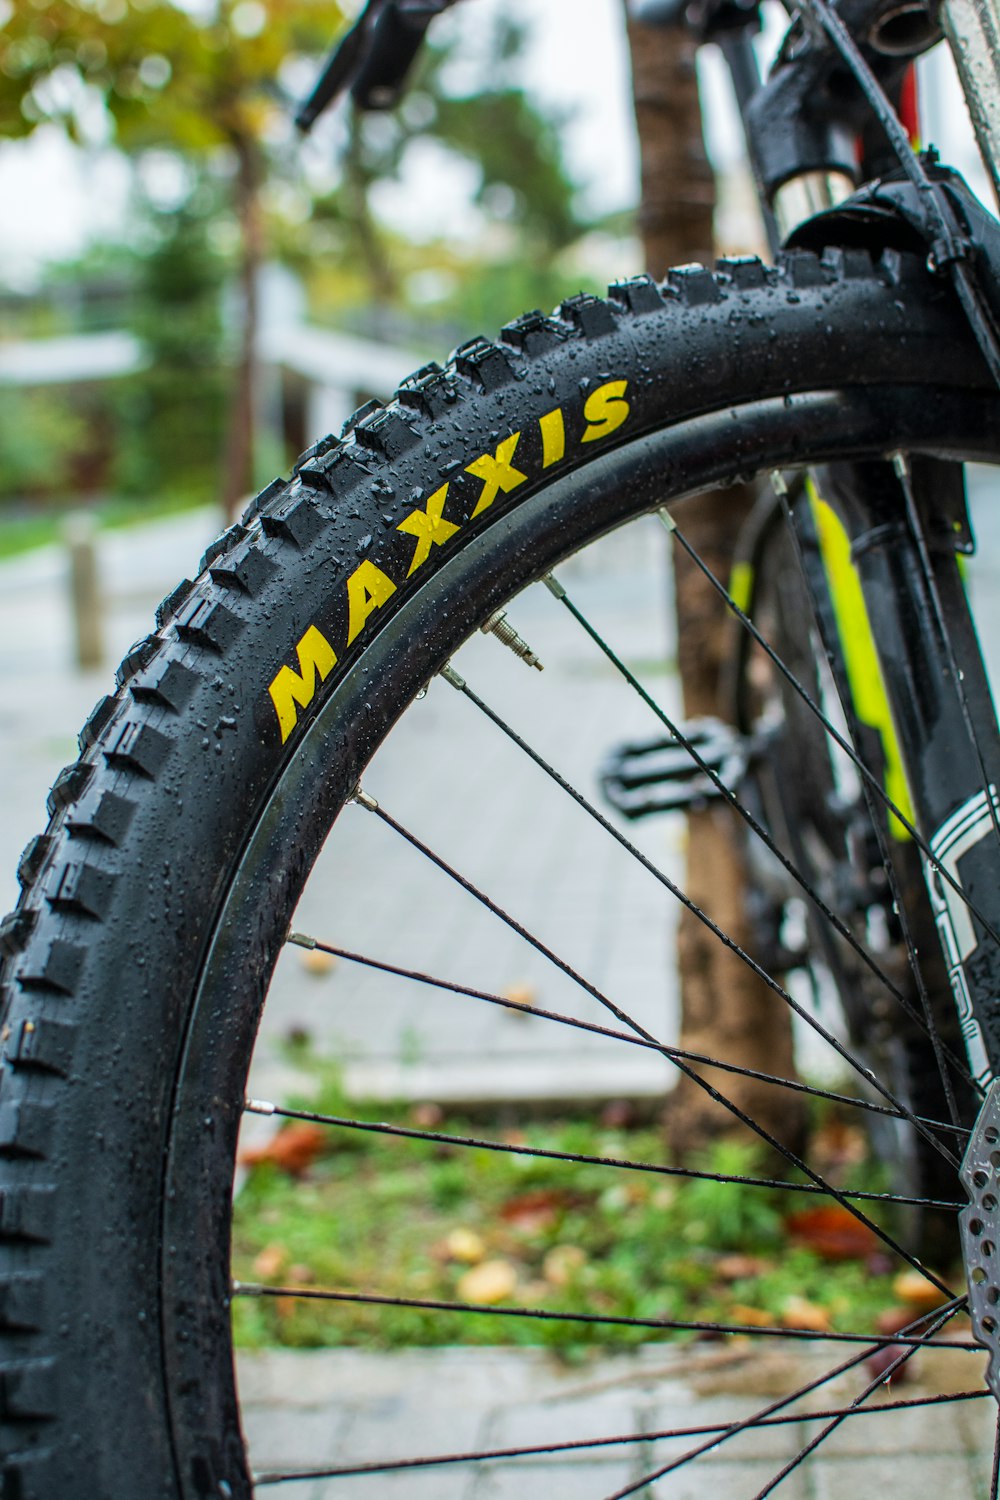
(270, 1262)
(316, 962)
(833, 1232)
(917, 1291)
(520, 994)
(755, 1317)
(427, 1116)
(799, 1312)
(465, 1245)
(293, 1149)
(562, 1263)
(534, 1210)
(737, 1267)
(488, 1283)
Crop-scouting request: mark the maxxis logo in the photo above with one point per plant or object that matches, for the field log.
(499, 471)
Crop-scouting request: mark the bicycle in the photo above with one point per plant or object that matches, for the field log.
(157, 902)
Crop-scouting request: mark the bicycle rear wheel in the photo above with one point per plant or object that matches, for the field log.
(158, 901)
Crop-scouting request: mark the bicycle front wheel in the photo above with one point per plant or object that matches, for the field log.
(160, 898)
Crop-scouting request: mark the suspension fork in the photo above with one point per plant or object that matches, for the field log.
(903, 530)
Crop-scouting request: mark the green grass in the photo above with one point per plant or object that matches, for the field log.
(381, 1214)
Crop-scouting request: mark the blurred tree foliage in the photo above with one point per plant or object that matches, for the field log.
(171, 415)
(204, 84)
(41, 435)
(162, 77)
(465, 102)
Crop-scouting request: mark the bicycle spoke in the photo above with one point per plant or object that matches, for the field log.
(459, 683)
(632, 1039)
(619, 1440)
(676, 731)
(756, 1420)
(371, 805)
(879, 791)
(603, 1320)
(880, 1380)
(443, 1138)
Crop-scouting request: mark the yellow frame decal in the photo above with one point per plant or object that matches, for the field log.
(861, 663)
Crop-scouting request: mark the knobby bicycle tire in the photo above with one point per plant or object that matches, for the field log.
(156, 902)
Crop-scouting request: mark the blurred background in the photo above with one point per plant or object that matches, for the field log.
(164, 226)
(190, 293)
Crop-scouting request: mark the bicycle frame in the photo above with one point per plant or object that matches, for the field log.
(925, 640)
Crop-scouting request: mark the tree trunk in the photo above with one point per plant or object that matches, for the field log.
(239, 479)
(726, 1011)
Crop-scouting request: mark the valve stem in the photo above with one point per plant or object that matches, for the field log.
(497, 625)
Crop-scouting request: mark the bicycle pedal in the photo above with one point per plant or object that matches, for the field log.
(643, 777)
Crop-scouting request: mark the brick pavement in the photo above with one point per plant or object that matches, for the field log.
(323, 1409)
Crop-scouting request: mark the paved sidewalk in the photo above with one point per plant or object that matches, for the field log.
(307, 1411)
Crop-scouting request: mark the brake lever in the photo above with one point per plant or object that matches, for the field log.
(342, 64)
(373, 59)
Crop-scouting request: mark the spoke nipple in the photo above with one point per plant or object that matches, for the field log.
(778, 484)
(554, 586)
(900, 465)
(667, 519)
(259, 1106)
(451, 676)
(362, 798)
(498, 625)
(301, 940)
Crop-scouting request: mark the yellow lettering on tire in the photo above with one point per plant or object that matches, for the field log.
(605, 410)
(367, 589)
(553, 430)
(291, 690)
(497, 472)
(429, 527)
